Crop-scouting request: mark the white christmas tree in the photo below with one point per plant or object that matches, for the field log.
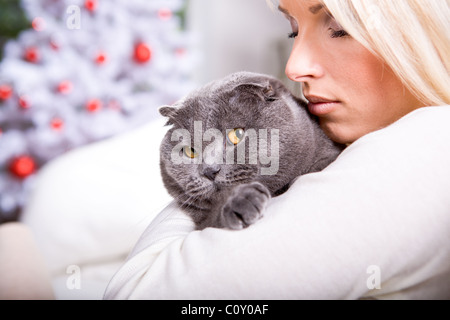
(86, 70)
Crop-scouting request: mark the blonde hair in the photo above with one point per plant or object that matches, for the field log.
(411, 36)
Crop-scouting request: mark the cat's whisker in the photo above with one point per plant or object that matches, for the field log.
(191, 201)
(197, 190)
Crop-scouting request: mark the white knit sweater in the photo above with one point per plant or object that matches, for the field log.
(375, 223)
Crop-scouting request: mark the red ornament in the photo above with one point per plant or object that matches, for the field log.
(38, 24)
(93, 105)
(57, 124)
(22, 166)
(55, 43)
(5, 92)
(142, 53)
(164, 14)
(65, 87)
(24, 103)
(180, 52)
(100, 58)
(91, 5)
(114, 105)
(32, 55)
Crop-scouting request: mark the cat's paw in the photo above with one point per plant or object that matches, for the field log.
(245, 205)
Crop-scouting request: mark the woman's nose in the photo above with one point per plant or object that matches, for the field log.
(304, 62)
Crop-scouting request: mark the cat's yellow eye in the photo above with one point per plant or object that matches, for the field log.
(190, 152)
(236, 135)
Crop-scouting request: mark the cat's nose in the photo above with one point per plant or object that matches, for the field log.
(211, 172)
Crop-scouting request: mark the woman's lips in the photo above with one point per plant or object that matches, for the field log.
(319, 106)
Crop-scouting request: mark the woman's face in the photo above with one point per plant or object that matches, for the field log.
(348, 88)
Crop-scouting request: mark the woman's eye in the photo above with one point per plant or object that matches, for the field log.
(339, 33)
(294, 27)
(235, 136)
(292, 35)
(336, 29)
(190, 152)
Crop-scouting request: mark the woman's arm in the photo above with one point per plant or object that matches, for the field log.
(378, 215)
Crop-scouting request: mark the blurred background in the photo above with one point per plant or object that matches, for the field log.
(236, 35)
(73, 72)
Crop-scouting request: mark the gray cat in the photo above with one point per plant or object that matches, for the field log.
(234, 144)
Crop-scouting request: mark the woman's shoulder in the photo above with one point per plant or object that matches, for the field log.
(413, 151)
(430, 118)
(425, 131)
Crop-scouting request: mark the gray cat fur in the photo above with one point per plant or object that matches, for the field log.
(238, 194)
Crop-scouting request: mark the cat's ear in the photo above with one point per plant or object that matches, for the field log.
(169, 112)
(269, 92)
(263, 88)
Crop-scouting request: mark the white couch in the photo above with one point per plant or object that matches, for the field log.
(90, 206)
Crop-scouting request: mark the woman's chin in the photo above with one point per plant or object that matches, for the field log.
(339, 133)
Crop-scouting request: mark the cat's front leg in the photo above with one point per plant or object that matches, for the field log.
(244, 206)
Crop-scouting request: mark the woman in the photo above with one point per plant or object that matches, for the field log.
(376, 222)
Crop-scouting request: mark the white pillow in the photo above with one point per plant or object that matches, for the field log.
(91, 205)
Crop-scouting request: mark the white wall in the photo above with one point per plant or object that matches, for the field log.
(238, 35)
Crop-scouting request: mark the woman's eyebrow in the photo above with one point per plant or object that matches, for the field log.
(283, 10)
(314, 9)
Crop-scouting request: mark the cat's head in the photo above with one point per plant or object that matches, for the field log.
(245, 127)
